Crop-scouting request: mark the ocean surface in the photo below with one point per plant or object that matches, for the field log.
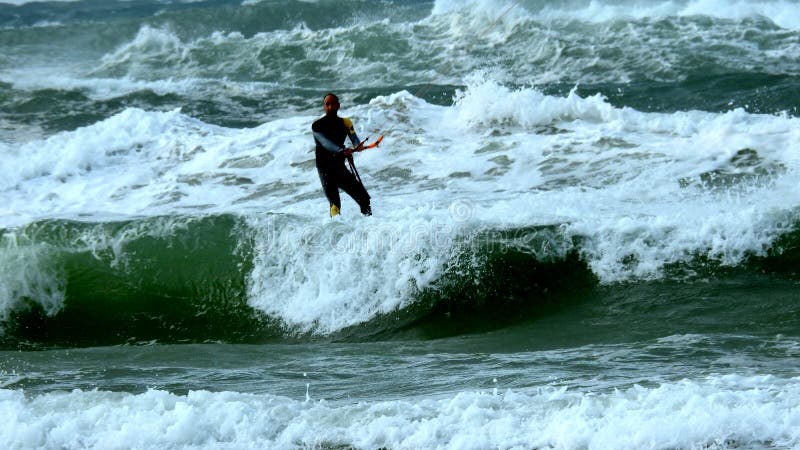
(586, 229)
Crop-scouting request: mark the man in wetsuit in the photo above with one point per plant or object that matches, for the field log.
(330, 132)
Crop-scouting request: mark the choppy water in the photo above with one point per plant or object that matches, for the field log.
(585, 232)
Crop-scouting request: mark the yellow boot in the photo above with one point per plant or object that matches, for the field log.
(334, 210)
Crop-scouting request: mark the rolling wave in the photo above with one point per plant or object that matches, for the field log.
(192, 279)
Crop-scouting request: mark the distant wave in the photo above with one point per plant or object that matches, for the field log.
(584, 42)
(375, 53)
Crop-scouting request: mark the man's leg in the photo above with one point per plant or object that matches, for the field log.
(331, 188)
(349, 183)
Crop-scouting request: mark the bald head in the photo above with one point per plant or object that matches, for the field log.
(330, 103)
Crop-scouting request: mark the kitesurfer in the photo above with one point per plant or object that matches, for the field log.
(330, 133)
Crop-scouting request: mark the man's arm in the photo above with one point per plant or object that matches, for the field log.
(351, 132)
(326, 143)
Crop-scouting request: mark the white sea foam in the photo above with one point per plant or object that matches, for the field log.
(304, 273)
(28, 271)
(719, 412)
(783, 13)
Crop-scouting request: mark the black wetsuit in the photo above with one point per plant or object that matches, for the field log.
(329, 135)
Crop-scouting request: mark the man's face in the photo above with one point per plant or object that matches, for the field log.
(331, 105)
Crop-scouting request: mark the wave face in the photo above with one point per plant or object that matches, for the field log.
(76, 283)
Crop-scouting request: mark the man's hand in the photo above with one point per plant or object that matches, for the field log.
(348, 152)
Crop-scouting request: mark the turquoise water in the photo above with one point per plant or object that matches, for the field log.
(585, 230)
